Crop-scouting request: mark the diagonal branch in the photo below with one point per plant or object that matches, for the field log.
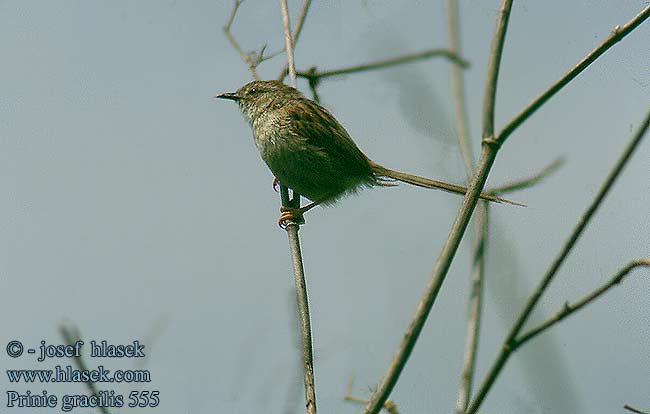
(634, 410)
(569, 308)
(615, 36)
(301, 21)
(71, 336)
(385, 63)
(490, 94)
(510, 340)
(450, 247)
(252, 65)
(527, 182)
(488, 156)
(389, 406)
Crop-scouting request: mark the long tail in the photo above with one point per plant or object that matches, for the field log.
(382, 171)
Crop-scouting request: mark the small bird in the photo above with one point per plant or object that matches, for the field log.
(309, 151)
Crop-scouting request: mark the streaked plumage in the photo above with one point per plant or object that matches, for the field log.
(309, 151)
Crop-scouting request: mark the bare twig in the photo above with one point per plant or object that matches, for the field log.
(381, 64)
(476, 293)
(569, 308)
(475, 303)
(475, 307)
(634, 410)
(296, 256)
(301, 21)
(296, 34)
(489, 96)
(305, 323)
(313, 85)
(510, 340)
(458, 91)
(389, 405)
(252, 65)
(288, 42)
(71, 336)
(615, 36)
(488, 155)
(527, 182)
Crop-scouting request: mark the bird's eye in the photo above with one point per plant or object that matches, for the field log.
(253, 91)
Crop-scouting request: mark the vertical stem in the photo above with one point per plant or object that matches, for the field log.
(475, 308)
(296, 33)
(288, 42)
(489, 98)
(305, 324)
(458, 90)
(475, 304)
(296, 256)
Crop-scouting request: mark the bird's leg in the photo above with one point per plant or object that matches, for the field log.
(294, 214)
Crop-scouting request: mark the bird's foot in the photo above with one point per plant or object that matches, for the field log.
(291, 214)
(276, 184)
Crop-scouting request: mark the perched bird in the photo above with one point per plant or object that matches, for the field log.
(309, 151)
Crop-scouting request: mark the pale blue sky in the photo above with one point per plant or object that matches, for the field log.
(137, 207)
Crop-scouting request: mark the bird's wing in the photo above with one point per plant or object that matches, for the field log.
(316, 125)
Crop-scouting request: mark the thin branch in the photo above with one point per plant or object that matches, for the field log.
(569, 308)
(475, 303)
(245, 56)
(288, 42)
(510, 340)
(615, 36)
(313, 85)
(527, 182)
(296, 256)
(389, 405)
(71, 336)
(458, 91)
(303, 309)
(381, 64)
(296, 34)
(475, 308)
(634, 410)
(410, 337)
(489, 96)
(301, 21)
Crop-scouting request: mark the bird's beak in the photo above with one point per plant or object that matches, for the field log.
(229, 95)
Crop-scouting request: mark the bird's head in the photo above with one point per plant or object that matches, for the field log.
(257, 96)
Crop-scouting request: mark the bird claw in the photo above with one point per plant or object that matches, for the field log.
(290, 214)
